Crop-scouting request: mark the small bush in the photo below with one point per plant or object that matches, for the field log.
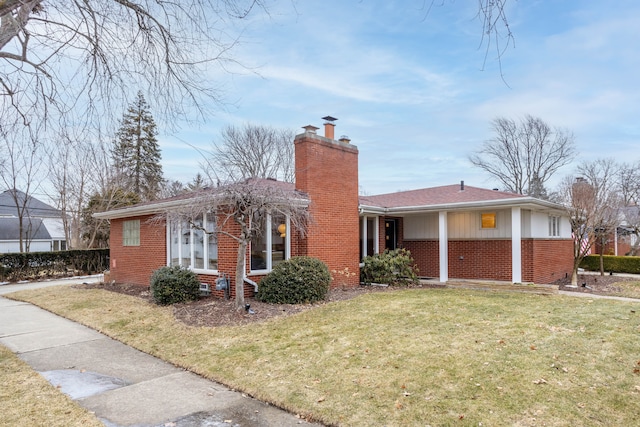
(616, 264)
(295, 281)
(170, 285)
(394, 267)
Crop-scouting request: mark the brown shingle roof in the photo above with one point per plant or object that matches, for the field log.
(447, 194)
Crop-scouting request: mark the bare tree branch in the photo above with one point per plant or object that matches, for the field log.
(524, 156)
(252, 151)
(239, 209)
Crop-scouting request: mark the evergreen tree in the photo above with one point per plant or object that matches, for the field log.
(197, 184)
(136, 153)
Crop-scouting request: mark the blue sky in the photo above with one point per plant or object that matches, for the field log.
(413, 90)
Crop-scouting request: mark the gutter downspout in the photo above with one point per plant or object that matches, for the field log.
(251, 282)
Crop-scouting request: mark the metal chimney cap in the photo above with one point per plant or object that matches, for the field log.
(310, 128)
(329, 119)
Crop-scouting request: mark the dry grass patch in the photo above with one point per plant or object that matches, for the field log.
(412, 357)
(27, 399)
(626, 289)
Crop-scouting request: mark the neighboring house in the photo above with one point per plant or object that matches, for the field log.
(456, 231)
(42, 225)
(625, 240)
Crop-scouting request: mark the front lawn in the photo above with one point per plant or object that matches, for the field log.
(410, 357)
(27, 399)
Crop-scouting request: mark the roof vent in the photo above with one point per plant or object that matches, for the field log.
(461, 185)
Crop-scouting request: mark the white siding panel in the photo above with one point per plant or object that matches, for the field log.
(526, 224)
(467, 225)
(421, 226)
(540, 225)
(565, 227)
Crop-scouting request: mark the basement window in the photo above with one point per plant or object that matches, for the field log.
(488, 220)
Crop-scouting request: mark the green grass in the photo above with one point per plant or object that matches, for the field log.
(410, 357)
(27, 399)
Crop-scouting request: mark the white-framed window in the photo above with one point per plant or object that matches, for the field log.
(131, 232)
(272, 245)
(554, 226)
(368, 236)
(193, 246)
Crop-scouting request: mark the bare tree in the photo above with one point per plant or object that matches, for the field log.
(57, 57)
(252, 151)
(239, 208)
(523, 156)
(21, 174)
(592, 202)
(73, 175)
(629, 182)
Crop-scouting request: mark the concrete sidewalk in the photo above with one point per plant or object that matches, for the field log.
(121, 385)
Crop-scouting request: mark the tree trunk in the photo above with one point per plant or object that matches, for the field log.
(574, 276)
(242, 249)
(602, 261)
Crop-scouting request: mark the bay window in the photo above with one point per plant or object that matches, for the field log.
(191, 247)
(271, 246)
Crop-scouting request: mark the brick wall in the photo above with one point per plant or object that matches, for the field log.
(135, 264)
(426, 255)
(624, 246)
(545, 261)
(327, 170)
(480, 259)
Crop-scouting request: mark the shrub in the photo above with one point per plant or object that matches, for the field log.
(295, 281)
(616, 264)
(170, 285)
(394, 267)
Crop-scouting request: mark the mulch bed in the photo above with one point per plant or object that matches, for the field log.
(595, 284)
(213, 312)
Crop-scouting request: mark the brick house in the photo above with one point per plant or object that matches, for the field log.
(452, 231)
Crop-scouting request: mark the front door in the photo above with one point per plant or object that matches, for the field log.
(390, 234)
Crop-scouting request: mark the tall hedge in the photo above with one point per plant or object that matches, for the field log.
(35, 265)
(616, 264)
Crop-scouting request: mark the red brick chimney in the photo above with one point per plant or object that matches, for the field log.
(327, 170)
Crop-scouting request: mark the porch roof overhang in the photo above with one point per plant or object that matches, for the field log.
(522, 202)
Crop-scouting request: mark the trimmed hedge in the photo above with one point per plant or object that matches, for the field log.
(297, 280)
(170, 285)
(37, 265)
(616, 264)
(394, 267)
